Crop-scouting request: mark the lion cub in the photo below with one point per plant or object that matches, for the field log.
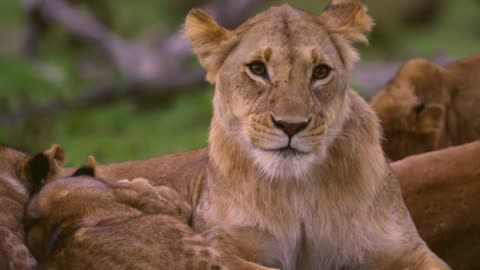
(21, 174)
(87, 223)
(428, 107)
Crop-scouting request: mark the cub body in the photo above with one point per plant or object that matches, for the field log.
(88, 223)
(20, 175)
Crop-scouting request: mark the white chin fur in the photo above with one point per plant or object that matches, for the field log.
(275, 166)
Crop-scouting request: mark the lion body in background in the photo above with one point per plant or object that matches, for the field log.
(428, 107)
(441, 190)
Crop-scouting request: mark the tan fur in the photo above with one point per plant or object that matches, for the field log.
(88, 223)
(428, 107)
(442, 191)
(324, 198)
(19, 174)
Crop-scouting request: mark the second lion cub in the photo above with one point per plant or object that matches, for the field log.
(85, 223)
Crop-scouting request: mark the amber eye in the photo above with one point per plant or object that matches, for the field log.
(258, 68)
(321, 72)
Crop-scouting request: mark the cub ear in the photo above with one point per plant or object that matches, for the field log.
(348, 22)
(45, 165)
(431, 118)
(89, 169)
(210, 41)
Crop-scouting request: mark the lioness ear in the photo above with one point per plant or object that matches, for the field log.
(210, 41)
(348, 22)
(431, 118)
(45, 165)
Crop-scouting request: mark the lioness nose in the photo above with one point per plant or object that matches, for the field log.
(290, 128)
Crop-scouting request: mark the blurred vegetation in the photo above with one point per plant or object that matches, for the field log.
(130, 129)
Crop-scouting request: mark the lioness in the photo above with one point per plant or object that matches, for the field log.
(428, 107)
(20, 174)
(87, 223)
(294, 153)
(294, 176)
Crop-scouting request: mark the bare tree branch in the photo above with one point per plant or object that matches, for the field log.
(135, 61)
(147, 70)
(104, 94)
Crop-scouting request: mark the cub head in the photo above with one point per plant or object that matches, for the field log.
(30, 172)
(412, 108)
(281, 80)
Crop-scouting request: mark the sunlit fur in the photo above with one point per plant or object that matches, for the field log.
(428, 107)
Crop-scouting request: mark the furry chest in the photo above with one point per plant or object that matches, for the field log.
(315, 246)
(313, 239)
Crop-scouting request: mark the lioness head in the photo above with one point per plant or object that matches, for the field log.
(412, 108)
(281, 79)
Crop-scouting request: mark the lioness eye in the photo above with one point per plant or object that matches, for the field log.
(321, 72)
(258, 68)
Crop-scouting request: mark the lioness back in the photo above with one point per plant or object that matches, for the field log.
(444, 201)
